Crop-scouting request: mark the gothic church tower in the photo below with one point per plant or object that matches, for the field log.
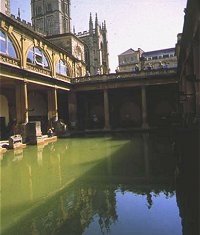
(97, 47)
(51, 17)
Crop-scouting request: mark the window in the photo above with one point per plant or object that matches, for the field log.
(38, 10)
(49, 7)
(61, 68)
(166, 56)
(154, 57)
(49, 25)
(36, 56)
(6, 45)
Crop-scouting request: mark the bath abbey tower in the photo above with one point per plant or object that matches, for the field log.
(52, 18)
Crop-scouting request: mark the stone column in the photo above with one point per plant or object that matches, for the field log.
(72, 108)
(144, 108)
(22, 102)
(146, 155)
(52, 104)
(106, 110)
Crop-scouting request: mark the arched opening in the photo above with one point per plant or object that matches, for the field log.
(37, 57)
(7, 46)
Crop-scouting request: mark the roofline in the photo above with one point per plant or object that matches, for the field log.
(35, 34)
(166, 49)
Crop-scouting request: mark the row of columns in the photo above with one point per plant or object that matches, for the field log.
(23, 109)
(107, 126)
(106, 109)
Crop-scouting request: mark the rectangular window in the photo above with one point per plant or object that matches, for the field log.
(38, 10)
(49, 7)
(166, 56)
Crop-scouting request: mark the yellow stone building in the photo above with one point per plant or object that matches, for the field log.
(34, 73)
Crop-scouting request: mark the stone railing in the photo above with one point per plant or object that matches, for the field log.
(126, 75)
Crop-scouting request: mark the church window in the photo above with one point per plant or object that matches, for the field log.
(6, 45)
(37, 57)
(38, 10)
(49, 7)
(61, 68)
(49, 24)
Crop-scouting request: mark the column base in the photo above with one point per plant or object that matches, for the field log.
(106, 128)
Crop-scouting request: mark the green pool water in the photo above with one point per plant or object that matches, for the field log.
(112, 184)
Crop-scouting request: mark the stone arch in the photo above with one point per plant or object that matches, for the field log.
(14, 42)
(79, 53)
(45, 53)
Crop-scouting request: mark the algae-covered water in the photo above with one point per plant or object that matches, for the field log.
(110, 184)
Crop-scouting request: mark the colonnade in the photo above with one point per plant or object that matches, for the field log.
(73, 108)
(22, 107)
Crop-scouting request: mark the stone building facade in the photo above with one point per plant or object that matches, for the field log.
(51, 17)
(151, 60)
(35, 75)
(188, 51)
(96, 50)
(128, 59)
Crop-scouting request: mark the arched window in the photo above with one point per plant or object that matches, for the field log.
(6, 45)
(61, 68)
(36, 56)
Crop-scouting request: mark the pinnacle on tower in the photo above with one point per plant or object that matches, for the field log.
(105, 28)
(96, 25)
(91, 24)
(96, 21)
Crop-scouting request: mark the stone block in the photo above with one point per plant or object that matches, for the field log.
(15, 141)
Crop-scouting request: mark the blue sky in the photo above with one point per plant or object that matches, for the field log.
(145, 24)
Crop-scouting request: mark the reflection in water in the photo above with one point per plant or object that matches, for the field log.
(98, 185)
(186, 149)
